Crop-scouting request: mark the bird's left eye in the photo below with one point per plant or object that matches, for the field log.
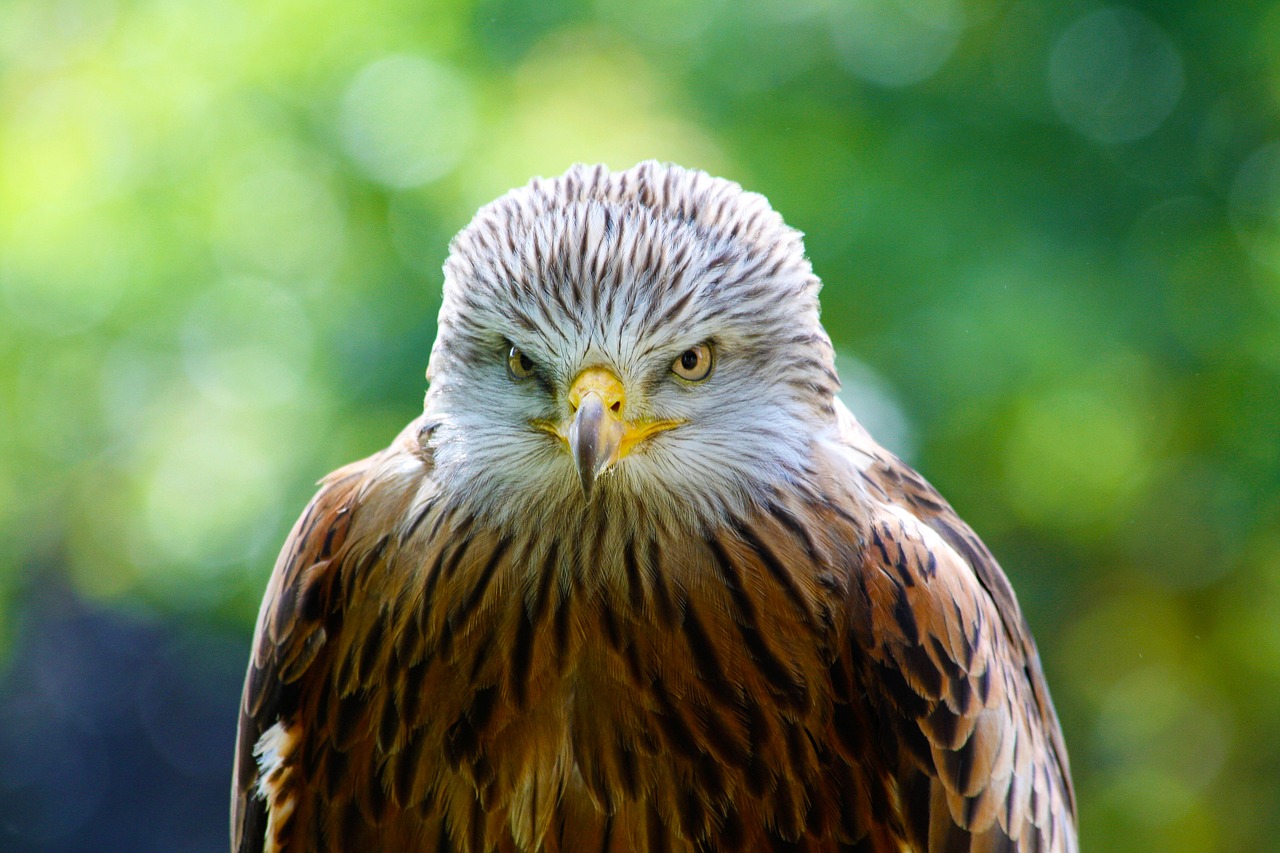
(519, 365)
(694, 364)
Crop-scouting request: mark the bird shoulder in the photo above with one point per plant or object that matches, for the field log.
(940, 646)
(301, 611)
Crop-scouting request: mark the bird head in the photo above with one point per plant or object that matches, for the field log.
(649, 335)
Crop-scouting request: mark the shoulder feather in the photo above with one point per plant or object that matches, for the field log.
(950, 665)
(300, 614)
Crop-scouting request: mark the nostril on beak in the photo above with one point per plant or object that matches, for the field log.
(616, 407)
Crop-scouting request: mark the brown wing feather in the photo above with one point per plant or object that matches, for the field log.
(299, 622)
(945, 654)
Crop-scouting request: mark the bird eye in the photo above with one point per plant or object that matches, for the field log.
(519, 365)
(694, 364)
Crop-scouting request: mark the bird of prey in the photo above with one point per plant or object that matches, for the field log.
(637, 580)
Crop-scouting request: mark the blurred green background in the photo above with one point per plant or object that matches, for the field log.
(1049, 232)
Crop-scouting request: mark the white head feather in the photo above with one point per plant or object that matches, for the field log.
(627, 270)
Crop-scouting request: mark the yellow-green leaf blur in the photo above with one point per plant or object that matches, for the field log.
(1050, 239)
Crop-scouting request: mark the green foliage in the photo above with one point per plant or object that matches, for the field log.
(1049, 231)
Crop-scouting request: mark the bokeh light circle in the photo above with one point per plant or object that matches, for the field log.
(1255, 204)
(896, 42)
(1115, 76)
(407, 120)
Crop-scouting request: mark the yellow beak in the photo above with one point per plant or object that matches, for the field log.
(598, 435)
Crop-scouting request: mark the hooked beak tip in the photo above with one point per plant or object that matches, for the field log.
(588, 481)
(594, 439)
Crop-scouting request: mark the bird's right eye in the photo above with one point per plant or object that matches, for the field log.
(519, 365)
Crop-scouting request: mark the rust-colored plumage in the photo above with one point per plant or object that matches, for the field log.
(733, 641)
